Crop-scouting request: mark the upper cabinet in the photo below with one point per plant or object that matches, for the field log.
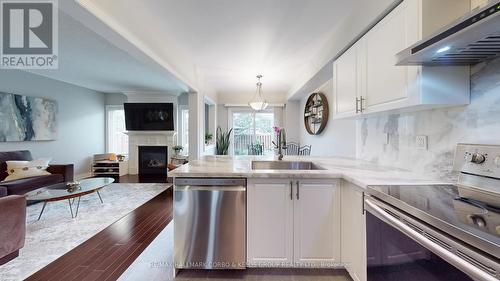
(366, 79)
(384, 81)
(345, 78)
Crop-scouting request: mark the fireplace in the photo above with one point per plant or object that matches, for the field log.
(153, 160)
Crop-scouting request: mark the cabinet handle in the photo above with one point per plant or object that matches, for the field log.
(298, 190)
(291, 190)
(361, 100)
(357, 105)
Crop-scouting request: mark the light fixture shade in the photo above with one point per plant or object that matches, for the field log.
(258, 105)
(258, 102)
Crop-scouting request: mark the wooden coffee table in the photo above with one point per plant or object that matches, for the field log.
(58, 192)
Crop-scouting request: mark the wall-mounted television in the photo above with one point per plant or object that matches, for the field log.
(149, 116)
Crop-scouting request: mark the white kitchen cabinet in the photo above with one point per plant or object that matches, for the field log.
(345, 86)
(353, 231)
(379, 84)
(293, 223)
(269, 223)
(385, 82)
(316, 213)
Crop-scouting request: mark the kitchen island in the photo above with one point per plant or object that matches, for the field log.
(360, 173)
(307, 218)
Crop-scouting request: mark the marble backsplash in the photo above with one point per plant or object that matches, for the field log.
(389, 140)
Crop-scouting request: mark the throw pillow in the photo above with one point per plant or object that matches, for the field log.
(26, 169)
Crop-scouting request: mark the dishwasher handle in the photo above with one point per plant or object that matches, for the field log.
(186, 188)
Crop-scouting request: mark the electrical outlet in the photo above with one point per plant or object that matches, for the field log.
(421, 142)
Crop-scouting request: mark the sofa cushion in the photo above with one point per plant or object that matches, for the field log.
(22, 155)
(27, 169)
(12, 224)
(23, 186)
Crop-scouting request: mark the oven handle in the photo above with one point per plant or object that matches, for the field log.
(467, 267)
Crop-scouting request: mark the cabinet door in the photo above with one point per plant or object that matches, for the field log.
(270, 223)
(316, 223)
(345, 82)
(386, 82)
(353, 228)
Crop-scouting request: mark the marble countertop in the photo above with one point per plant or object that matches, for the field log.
(360, 173)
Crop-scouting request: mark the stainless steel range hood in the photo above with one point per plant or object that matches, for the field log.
(470, 40)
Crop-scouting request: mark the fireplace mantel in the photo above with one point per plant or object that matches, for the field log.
(148, 138)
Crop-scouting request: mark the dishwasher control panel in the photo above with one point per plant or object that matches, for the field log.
(211, 181)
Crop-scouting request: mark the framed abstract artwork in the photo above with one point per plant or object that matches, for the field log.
(24, 118)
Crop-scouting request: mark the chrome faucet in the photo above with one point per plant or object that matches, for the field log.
(281, 143)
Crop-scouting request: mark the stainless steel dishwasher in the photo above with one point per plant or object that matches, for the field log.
(210, 223)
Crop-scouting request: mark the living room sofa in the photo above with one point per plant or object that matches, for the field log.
(59, 173)
(12, 226)
(13, 203)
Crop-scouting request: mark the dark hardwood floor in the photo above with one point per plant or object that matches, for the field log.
(109, 253)
(139, 246)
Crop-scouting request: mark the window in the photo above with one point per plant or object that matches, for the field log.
(253, 132)
(117, 140)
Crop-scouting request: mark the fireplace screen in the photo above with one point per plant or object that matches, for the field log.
(153, 160)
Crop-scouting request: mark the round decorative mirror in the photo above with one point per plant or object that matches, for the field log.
(316, 113)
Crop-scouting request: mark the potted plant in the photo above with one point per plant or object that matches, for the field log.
(222, 141)
(177, 149)
(208, 138)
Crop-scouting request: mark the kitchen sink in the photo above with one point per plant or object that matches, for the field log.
(284, 165)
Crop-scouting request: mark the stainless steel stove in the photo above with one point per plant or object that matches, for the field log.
(439, 232)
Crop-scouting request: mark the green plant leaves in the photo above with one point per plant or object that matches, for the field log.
(222, 141)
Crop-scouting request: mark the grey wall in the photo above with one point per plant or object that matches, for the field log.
(183, 99)
(338, 137)
(115, 99)
(478, 122)
(291, 118)
(80, 119)
(222, 121)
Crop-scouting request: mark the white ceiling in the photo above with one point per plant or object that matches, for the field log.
(88, 60)
(230, 41)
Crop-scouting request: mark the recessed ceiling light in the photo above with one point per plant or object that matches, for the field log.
(444, 49)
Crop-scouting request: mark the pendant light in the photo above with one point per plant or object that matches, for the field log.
(258, 102)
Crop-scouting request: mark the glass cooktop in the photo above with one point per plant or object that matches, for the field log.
(440, 206)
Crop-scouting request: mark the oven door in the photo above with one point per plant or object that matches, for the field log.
(400, 247)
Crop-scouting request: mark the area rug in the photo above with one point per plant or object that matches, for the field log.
(56, 233)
